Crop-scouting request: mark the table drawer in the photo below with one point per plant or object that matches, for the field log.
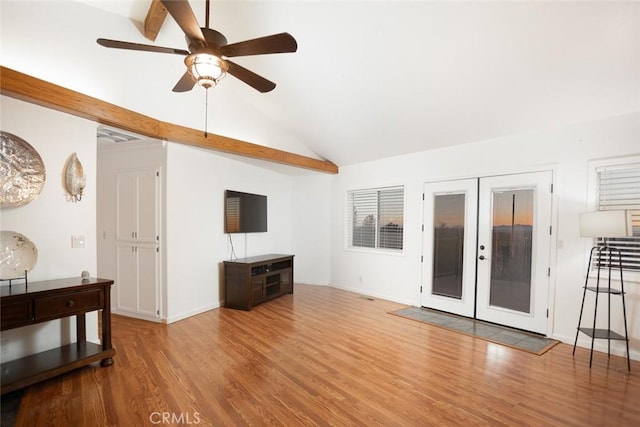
(16, 313)
(67, 304)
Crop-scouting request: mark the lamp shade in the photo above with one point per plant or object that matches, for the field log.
(606, 224)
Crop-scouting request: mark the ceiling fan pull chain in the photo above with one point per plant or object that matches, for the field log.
(206, 111)
(206, 102)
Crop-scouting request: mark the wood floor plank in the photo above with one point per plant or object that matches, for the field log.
(323, 356)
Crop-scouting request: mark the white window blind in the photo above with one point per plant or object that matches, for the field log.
(375, 218)
(619, 188)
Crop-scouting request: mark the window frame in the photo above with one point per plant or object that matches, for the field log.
(593, 195)
(348, 220)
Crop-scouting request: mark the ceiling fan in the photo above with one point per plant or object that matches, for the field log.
(207, 58)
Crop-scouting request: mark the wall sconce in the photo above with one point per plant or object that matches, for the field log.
(74, 178)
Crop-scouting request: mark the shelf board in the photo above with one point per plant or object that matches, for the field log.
(604, 290)
(602, 333)
(28, 370)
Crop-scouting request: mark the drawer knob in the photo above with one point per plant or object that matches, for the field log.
(70, 303)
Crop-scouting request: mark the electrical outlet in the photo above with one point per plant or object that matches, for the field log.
(77, 241)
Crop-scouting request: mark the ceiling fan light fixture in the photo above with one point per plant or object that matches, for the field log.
(206, 69)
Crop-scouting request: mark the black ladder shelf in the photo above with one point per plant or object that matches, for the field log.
(610, 258)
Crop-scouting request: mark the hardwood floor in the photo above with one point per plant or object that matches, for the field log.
(328, 357)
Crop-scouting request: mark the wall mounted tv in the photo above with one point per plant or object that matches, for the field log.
(244, 212)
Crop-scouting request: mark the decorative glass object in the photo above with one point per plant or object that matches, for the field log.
(17, 255)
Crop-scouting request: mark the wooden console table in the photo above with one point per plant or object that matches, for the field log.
(251, 281)
(37, 302)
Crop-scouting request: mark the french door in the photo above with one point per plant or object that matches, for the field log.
(449, 260)
(486, 248)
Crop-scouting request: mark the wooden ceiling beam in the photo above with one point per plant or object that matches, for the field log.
(27, 88)
(155, 18)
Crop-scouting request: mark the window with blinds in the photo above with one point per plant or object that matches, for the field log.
(618, 187)
(375, 218)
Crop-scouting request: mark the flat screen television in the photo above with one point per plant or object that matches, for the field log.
(244, 212)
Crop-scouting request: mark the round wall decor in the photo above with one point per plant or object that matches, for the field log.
(22, 171)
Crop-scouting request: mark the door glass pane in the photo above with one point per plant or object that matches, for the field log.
(448, 239)
(510, 285)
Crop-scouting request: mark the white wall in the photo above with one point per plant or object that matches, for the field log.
(196, 243)
(311, 224)
(51, 219)
(566, 151)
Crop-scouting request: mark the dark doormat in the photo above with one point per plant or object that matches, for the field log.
(10, 403)
(514, 338)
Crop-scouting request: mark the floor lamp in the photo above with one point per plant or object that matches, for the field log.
(605, 225)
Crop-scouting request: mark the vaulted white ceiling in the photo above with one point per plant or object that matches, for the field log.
(370, 79)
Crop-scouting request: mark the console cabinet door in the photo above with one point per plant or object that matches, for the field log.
(257, 290)
(286, 281)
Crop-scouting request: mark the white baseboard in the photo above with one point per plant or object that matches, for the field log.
(618, 348)
(136, 315)
(193, 312)
(311, 283)
(373, 294)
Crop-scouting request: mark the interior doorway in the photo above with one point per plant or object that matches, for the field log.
(487, 246)
(130, 222)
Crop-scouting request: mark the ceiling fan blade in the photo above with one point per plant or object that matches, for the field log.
(185, 84)
(277, 43)
(257, 82)
(137, 46)
(183, 15)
